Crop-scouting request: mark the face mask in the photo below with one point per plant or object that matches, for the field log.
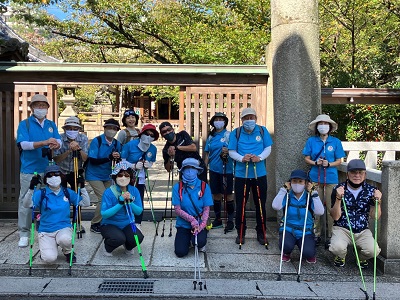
(249, 125)
(323, 129)
(71, 134)
(170, 136)
(123, 181)
(298, 188)
(355, 185)
(144, 143)
(110, 133)
(40, 113)
(219, 124)
(54, 181)
(189, 175)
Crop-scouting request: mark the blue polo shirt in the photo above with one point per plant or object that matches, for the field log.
(186, 204)
(32, 160)
(133, 154)
(331, 151)
(250, 143)
(54, 209)
(214, 146)
(102, 171)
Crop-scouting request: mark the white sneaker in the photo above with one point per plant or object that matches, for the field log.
(104, 251)
(203, 249)
(23, 242)
(128, 252)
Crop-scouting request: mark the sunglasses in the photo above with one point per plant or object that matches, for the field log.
(129, 113)
(150, 134)
(51, 174)
(123, 174)
(166, 131)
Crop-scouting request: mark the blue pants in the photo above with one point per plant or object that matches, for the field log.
(291, 241)
(183, 238)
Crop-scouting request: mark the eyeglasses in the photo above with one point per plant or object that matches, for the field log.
(166, 131)
(51, 174)
(355, 172)
(123, 174)
(149, 133)
(72, 128)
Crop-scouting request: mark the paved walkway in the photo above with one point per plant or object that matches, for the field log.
(227, 271)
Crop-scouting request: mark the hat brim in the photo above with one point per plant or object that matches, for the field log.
(213, 118)
(73, 125)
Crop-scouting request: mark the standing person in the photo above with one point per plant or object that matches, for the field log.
(178, 147)
(294, 195)
(221, 169)
(54, 203)
(104, 151)
(249, 146)
(324, 153)
(130, 121)
(141, 153)
(359, 197)
(72, 141)
(115, 226)
(192, 200)
(37, 137)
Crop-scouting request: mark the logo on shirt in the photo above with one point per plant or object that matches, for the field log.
(330, 148)
(51, 129)
(149, 154)
(258, 138)
(222, 140)
(65, 199)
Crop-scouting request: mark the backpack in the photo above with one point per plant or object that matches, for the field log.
(43, 195)
(129, 137)
(203, 187)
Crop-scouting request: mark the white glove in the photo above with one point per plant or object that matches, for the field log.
(147, 164)
(139, 165)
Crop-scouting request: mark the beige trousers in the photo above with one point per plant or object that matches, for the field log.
(319, 222)
(49, 242)
(99, 187)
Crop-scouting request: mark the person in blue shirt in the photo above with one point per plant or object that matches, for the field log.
(53, 203)
(104, 152)
(37, 138)
(323, 153)
(192, 200)
(361, 199)
(249, 146)
(142, 154)
(116, 227)
(294, 195)
(220, 167)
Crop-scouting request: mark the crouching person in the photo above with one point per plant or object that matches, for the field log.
(293, 198)
(192, 199)
(360, 198)
(53, 203)
(119, 205)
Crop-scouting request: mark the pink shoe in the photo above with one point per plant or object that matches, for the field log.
(311, 260)
(286, 257)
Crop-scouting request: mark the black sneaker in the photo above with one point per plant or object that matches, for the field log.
(229, 226)
(68, 257)
(339, 262)
(82, 229)
(95, 228)
(261, 238)
(238, 240)
(364, 264)
(317, 240)
(217, 223)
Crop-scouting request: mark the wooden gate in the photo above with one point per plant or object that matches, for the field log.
(201, 103)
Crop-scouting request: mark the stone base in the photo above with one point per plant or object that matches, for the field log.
(389, 266)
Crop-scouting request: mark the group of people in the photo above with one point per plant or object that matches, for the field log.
(117, 169)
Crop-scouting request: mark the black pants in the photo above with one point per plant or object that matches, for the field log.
(251, 183)
(183, 238)
(115, 237)
(140, 187)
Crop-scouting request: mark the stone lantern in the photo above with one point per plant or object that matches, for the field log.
(68, 99)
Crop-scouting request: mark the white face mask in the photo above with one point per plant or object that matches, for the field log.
(71, 134)
(219, 124)
(40, 113)
(110, 133)
(123, 181)
(298, 188)
(54, 181)
(145, 141)
(323, 129)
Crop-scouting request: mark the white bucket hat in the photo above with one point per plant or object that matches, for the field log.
(323, 118)
(72, 121)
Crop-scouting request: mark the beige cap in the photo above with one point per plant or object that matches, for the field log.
(323, 118)
(72, 121)
(248, 111)
(39, 98)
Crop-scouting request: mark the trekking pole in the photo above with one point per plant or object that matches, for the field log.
(32, 237)
(304, 233)
(283, 236)
(375, 242)
(133, 226)
(355, 248)
(74, 232)
(243, 206)
(325, 213)
(172, 162)
(196, 254)
(78, 210)
(259, 203)
(225, 184)
(166, 204)
(151, 200)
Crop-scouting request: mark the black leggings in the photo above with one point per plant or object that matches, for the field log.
(115, 237)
